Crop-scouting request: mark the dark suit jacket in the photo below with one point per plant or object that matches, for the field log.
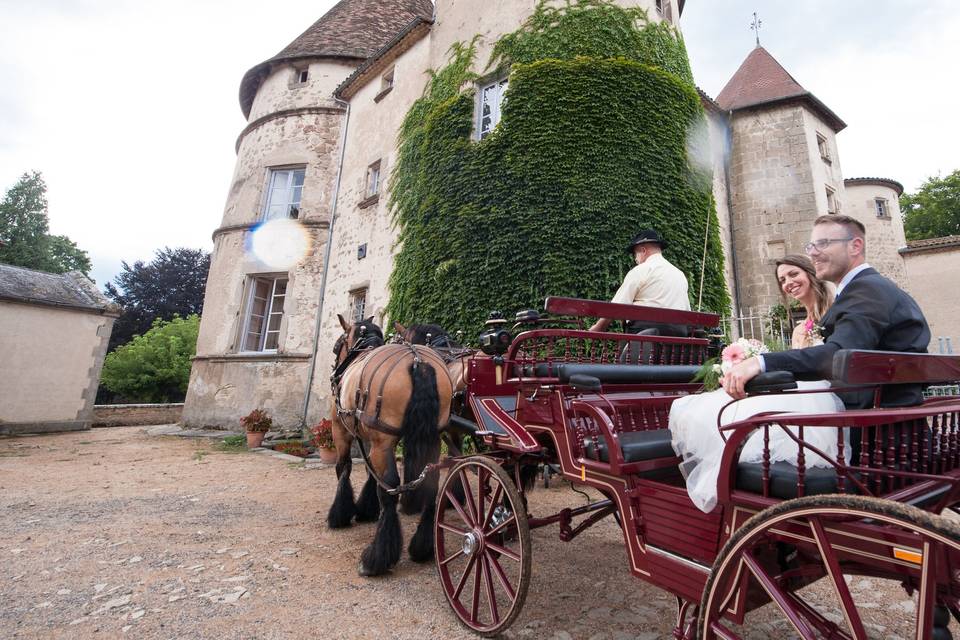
(870, 313)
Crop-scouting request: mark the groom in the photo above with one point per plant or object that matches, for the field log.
(870, 312)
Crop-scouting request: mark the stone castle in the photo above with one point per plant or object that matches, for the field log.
(323, 117)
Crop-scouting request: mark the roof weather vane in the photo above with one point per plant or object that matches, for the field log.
(755, 26)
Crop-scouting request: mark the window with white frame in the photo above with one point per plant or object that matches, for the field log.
(663, 9)
(373, 180)
(358, 304)
(833, 206)
(491, 101)
(264, 313)
(882, 209)
(302, 75)
(824, 147)
(284, 190)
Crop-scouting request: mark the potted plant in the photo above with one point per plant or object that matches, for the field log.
(256, 423)
(323, 441)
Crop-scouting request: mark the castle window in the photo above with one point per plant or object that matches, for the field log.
(882, 210)
(264, 312)
(491, 98)
(663, 9)
(824, 148)
(283, 194)
(358, 304)
(373, 180)
(302, 75)
(833, 205)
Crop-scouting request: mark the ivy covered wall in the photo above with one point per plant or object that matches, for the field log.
(592, 147)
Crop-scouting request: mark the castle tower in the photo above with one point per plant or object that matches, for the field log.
(784, 170)
(257, 335)
(876, 203)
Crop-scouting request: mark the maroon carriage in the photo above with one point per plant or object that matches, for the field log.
(596, 405)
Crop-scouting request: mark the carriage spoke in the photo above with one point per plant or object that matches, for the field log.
(493, 506)
(451, 528)
(722, 631)
(491, 596)
(456, 554)
(503, 551)
(850, 613)
(469, 500)
(458, 507)
(725, 601)
(463, 578)
(777, 596)
(475, 608)
(928, 589)
(483, 477)
(504, 580)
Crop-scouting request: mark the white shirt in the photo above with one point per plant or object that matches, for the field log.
(850, 276)
(655, 283)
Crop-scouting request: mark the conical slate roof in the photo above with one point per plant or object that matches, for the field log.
(762, 80)
(352, 29)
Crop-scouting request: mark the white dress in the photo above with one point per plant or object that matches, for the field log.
(696, 438)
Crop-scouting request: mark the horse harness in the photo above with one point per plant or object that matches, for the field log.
(369, 375)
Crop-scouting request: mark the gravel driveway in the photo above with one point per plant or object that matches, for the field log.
(119, 533)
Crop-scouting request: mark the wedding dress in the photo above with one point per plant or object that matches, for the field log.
(696, 438)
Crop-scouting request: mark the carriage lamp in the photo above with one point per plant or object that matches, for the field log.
(495, 340)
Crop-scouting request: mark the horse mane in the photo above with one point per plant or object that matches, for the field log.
(371, 328)
(417, 334)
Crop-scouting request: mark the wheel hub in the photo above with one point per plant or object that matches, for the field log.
(470, 544)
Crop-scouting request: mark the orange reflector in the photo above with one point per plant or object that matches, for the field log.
(583, 472)
(908, 554)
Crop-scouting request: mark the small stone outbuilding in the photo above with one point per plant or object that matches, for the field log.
(54, 330)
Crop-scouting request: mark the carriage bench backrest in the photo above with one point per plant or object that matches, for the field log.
(856, 367)
(629, 373)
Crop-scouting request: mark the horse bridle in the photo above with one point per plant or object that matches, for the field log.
(366, 341)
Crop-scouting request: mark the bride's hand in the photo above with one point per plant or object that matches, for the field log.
(735, 379)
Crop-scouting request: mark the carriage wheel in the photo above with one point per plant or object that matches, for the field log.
(482, 545)
(784, 548)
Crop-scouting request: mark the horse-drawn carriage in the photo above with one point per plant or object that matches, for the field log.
(596, 407)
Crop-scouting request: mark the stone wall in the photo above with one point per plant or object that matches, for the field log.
(52, 357)
(124, 415)
(932, 276)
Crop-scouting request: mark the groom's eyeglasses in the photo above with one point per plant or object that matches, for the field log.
(819, 245)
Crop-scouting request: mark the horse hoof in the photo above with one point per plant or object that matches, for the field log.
(364, 572)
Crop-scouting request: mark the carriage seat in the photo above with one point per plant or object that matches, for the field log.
(636, 446)
(784, 477)
(629, 373)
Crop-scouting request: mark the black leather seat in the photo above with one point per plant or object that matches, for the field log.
(784, 477)
(636, 446)
(629, 373)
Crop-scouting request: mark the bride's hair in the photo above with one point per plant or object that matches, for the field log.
(822, 295)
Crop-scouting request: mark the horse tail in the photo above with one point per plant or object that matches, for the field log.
(419, 430)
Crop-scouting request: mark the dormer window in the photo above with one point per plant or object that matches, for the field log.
(386, 84)
(491, 97)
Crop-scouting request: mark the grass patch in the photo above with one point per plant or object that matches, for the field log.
(232, 444)
(199, 455)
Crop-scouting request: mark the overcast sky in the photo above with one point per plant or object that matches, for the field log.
(130, 109)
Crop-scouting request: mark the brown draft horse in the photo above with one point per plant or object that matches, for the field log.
(384, 394)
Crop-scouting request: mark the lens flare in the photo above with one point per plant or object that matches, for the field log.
(698, 147)
(279, 244)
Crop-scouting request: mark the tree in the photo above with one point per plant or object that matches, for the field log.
(171, 284)
(154, 367)
(934, 210)
(25, 240)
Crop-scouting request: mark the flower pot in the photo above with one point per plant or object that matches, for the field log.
(255, 439)
(328, 456)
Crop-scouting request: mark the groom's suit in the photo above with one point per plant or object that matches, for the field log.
(871, 312)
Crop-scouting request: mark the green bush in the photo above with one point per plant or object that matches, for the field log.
(154, 367)
(592, 147)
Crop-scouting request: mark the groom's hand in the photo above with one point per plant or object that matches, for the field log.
(735, 379)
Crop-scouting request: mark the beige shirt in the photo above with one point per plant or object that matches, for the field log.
(655, 283)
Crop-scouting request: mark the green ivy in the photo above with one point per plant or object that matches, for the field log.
(592, 147)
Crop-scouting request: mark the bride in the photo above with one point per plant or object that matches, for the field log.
(693, 418)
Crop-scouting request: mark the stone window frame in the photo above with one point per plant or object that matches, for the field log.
(387, 82)
(300, 77)
(294, 198)
(372, 184)
(499, 82)
(882, 207)
(358, 303)
(266, 336)
(823, 145)
(833, 203)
